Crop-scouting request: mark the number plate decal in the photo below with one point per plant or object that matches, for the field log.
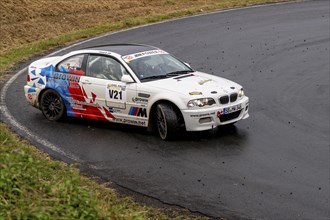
(230, 109)
(115, 93)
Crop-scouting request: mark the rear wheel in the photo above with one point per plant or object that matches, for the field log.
(169, 123)
(52, 105)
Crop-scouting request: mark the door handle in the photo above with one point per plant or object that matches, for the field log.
(86, 82)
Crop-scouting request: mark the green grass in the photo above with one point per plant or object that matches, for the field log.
(32, 186)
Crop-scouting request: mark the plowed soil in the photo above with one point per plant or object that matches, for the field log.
(25, 21)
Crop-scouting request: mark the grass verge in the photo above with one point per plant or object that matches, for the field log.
(32, 186)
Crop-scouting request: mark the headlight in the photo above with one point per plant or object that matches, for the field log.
(201, 102)
(241, 93)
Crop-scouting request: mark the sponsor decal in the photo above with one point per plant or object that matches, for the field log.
(78, 103)
(140, 100)
(52, 81)
(114, 110)
(195, 93)
(118, 87)
(134, 56)
(105, 52)
(30, 96)
(202, 115)
(202, 82)
(139, 112)
(67, 77)
(128, 58)
(130, 121)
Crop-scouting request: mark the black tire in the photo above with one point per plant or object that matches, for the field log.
(52, 106)
(169, 123)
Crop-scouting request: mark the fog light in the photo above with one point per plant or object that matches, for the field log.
(205, 120)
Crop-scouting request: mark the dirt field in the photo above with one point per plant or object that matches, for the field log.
(25, 21)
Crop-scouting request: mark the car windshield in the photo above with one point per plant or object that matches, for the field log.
(157, 66)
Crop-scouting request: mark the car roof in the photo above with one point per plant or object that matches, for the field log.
(123, 49)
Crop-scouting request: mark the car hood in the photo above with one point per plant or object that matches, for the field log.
(197, 84)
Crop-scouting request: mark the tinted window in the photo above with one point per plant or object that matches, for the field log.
(72, 65)
(103, 67)
(156, 65)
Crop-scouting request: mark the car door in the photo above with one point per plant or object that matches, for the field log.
(65, 81)
(103, 88)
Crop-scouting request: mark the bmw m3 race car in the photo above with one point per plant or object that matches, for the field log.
(133, 84)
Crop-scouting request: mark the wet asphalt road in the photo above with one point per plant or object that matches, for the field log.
(275, 165)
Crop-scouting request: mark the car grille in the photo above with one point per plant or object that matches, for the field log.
(225, 99)
(233, 97)
(230, 116)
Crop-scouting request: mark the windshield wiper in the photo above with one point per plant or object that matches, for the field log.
(175, 73)
(154, 77)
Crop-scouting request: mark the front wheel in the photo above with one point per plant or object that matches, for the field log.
(52, 105)
(169, 123)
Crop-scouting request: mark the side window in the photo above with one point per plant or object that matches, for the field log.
(103, 67)
(72, 65)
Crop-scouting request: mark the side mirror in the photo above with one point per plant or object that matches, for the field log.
(127, 79)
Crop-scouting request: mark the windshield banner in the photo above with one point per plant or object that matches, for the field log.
(134, 56)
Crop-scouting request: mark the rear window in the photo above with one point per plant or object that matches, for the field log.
(72, 65)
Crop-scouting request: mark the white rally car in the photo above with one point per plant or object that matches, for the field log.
(133, 84)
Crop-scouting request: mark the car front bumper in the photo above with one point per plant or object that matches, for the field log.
(209, 118)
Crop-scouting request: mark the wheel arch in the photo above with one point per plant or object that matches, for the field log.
(64, 114)
(49, 88)
(152, 113)
(42, 92)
